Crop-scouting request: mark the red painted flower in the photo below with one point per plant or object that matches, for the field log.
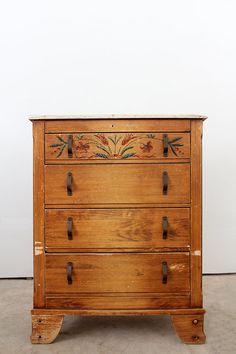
(82, 147)
(147, 147)
(102, 138)
(127, 138)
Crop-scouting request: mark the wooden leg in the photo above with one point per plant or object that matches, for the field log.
(45, 328)
(189, 328)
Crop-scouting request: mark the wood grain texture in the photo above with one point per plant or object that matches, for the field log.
(117, 273)
(196, 213)
(38, 193)
(189, 328)
(117, 228)
(116, 125)
(45, 328)
(135, 312)
(99, 184)
(116, 146)
(118, 302)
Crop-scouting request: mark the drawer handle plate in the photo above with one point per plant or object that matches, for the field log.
(165, 182)
(164, 272)
(69, 228)
(69, 183)
(164, 227)
(69, 269)
(69, 144)
(165, 145)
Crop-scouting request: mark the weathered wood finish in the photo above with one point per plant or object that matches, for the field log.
(189, 328)
(116, 146)
(115, 125)
(38, 192)
(119, 303)
(196, 214)
(117, 248)
(45, 328)
(117, 273)
(105, 184)
(117, 228)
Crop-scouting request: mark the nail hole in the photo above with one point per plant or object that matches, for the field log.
(40, 337)
(195, 337)
(40, 320)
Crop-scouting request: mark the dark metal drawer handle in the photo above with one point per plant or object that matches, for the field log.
(69, 269)
(69, 144)
(165, 145)
(164, 272)
(69, 183)
(69, 227)
(165, 182)
(164, 227)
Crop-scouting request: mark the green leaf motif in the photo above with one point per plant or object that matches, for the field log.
(61, 151)
(126, 156)
(151, 136)
(80, 136)
(112, 140)
(60, 138)
(125, 149)
(103, 156)
(102, 148)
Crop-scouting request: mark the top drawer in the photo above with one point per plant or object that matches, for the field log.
(117, 146)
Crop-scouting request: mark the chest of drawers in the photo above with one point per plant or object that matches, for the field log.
(117, 220)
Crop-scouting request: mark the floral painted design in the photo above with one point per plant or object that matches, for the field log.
(116, 146)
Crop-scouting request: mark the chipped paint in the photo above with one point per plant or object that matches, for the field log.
(38, 250)
(177, 267)
(196, 253)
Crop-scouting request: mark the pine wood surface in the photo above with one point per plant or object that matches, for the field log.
(104, 184)
(117, 228)
(117, 205)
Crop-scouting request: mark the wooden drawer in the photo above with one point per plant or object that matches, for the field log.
(117, 273)
(116, 146)
(117, 125)
(147, 301)
(117, 228)
(118, 183)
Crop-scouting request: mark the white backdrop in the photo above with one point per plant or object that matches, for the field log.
(124, 56)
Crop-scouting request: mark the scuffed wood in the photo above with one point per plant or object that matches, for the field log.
(38, 244)
(196, 213)
(189, 328)
(45, 328)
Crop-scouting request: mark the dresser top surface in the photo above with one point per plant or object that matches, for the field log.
(119, 116)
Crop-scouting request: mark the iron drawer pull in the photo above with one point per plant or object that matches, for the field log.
(165, 182)
(165, 145)
(69, 272)
(69, 143)
(69, 227)
(164, 227)
(164, 272)
(69, 183)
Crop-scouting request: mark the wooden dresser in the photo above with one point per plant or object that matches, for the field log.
(118, 220)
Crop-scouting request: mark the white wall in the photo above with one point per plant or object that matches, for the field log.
(126, 56)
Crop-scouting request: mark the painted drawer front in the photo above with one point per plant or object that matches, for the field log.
(117, 183)
(117, 228)
(116, 146)
(116, 273)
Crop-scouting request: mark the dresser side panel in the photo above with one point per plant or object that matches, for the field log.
(38, 190)
(196, 213)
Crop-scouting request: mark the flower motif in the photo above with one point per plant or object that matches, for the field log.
(82, 147)
(147, 147)
(127, 138)
(102, 138)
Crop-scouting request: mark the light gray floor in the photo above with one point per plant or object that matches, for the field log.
(120, 335)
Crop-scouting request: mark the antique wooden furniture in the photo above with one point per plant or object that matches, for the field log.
(117, 220)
